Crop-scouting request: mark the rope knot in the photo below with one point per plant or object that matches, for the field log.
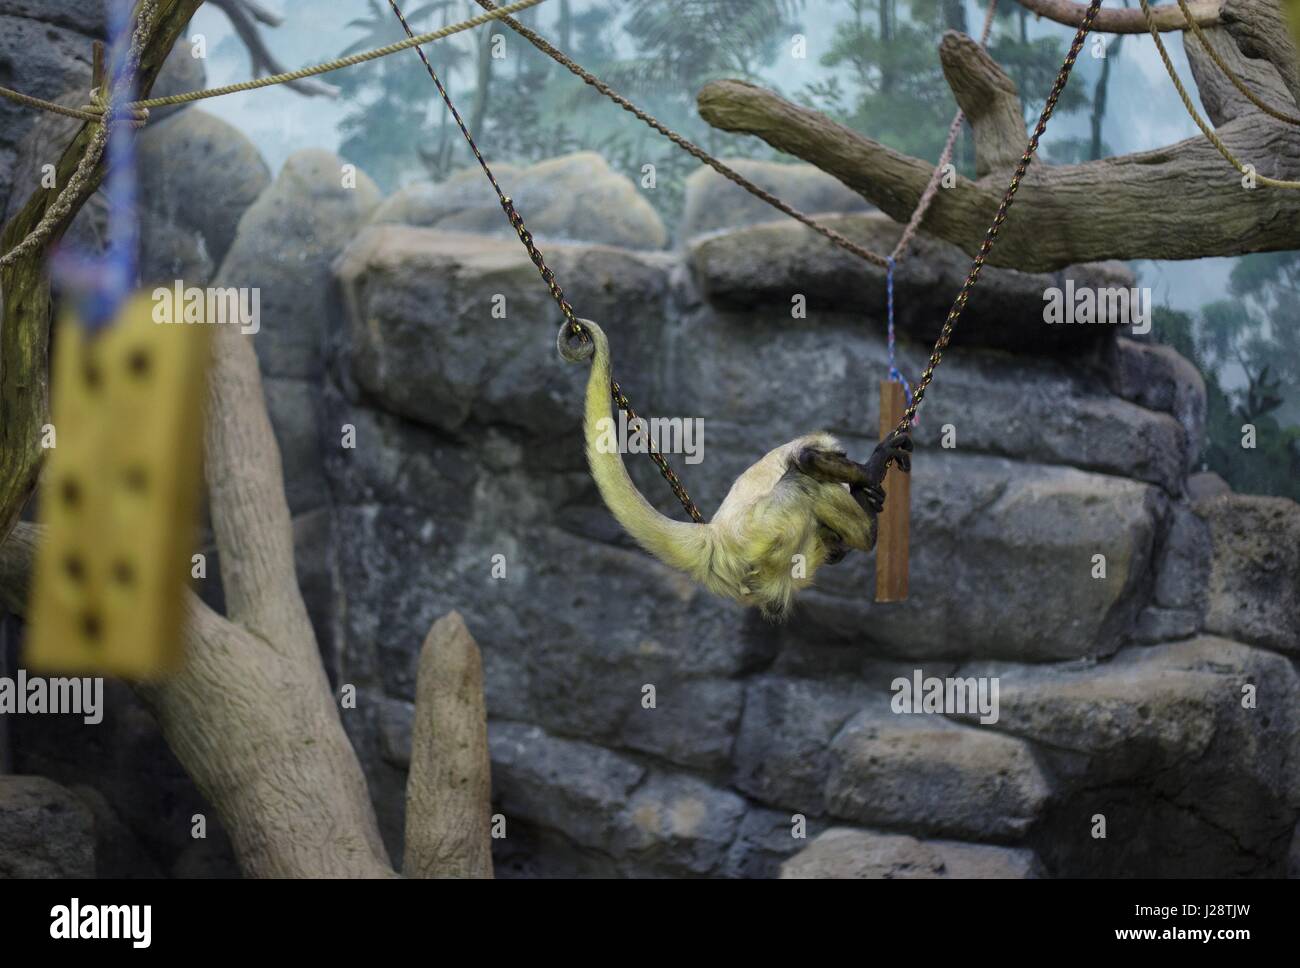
(130, 114)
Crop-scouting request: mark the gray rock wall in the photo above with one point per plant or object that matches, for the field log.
(45, 54)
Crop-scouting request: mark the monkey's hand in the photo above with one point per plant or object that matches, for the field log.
(897, 447)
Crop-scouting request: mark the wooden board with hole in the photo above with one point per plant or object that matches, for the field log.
(120, 496)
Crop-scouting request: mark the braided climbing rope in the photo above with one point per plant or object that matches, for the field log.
(526, 237)
(1237, 82)
(977, 266)
(1206, 130)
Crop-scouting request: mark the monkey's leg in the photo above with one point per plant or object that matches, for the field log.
(836, 549)
(835, 468)
(844, 520)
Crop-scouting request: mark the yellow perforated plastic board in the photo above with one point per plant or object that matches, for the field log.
(120, 496)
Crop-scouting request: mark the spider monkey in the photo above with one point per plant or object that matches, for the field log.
(805, 498)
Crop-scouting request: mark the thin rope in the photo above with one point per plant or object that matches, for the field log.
(53, 107)
(1232, 76)
(977, 266)
(517, 222)
(1206, 130)
(93, 112)
(894, 373)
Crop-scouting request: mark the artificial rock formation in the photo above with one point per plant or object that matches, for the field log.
(1078, 443)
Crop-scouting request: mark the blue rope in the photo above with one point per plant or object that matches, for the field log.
(99, 285)
(894, 373)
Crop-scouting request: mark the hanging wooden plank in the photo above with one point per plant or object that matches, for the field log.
(892, 541)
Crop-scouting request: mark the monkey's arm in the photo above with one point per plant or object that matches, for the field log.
(864, 480)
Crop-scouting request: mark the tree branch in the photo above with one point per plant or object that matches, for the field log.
(1222, 101)
(1115, 208)
(990, 101)
(250, 515)
(1261, 30)
(1167, 16)
(242, 14)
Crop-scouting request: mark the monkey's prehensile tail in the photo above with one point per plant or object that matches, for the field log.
(676, 543)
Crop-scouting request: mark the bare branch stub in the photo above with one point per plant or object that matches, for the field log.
(449, 787)
(990, 101)
(244, 16)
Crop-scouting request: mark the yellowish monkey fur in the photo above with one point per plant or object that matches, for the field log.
(775, 528)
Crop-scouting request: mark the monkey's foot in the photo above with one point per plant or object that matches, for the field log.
(870, 497)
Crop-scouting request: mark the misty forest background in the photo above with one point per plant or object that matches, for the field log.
(870, 64)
